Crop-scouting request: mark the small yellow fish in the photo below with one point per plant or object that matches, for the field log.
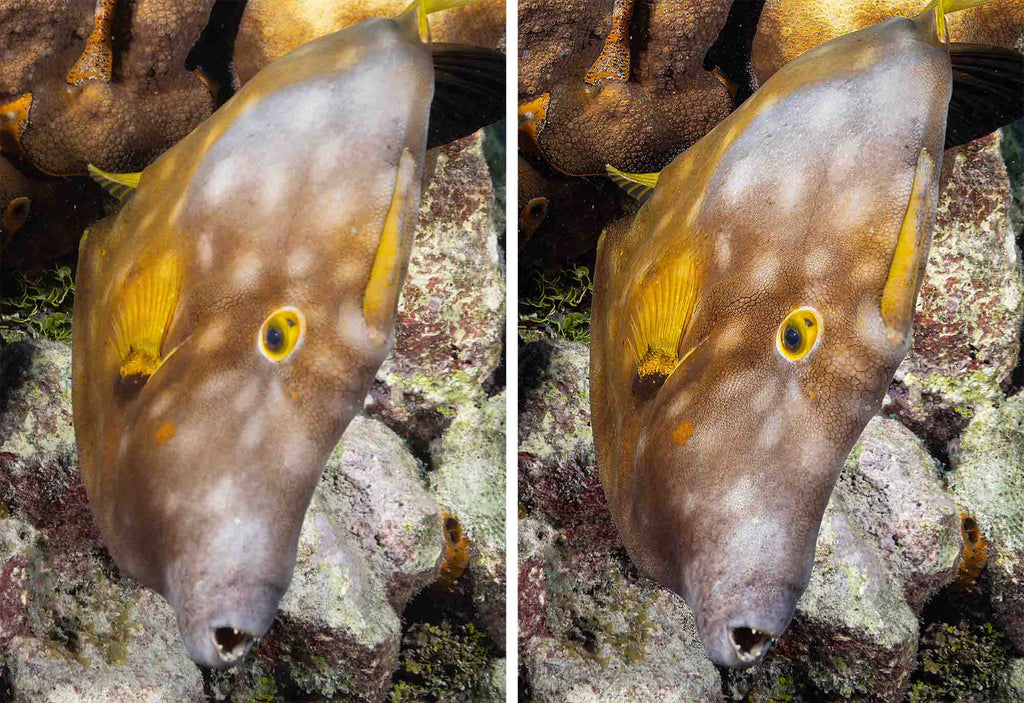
(748, 319)
(229, 320)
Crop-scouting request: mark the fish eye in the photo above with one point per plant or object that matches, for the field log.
(281, 333)
(798, 333)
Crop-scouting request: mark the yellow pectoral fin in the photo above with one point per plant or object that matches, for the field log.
(900, 292)
(142, 314)
(663, 305)
(385, 283)
(640, 186)
(120, 185)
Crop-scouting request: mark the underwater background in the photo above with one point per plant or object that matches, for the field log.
(368, 616)
(917, 592)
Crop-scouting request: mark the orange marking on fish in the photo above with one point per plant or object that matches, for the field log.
(682, 434)
(165, 433)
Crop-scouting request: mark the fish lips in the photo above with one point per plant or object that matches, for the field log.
(220, 625)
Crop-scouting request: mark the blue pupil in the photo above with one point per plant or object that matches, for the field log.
(791, 338)
(274, 338)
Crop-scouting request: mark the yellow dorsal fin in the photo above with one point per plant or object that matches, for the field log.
(427, 7)
(662, 306)
(945, 7)
(120, 185)
(142, 314)
(637, 185)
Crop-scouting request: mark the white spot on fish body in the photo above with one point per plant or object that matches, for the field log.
(792, 190)
(771, 432)
(204, 250)
(252, 432)
(212, 336)
(246, 398)
(740, 178)
(723, 250)
(221, 177)
(298, 261)
(816, 264)
(246, 269)
(161, 403)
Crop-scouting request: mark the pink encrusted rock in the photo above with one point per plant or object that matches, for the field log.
(890, 486)
(558, 477)
(969, 313)
(449, 332)
(39, 477)
(592, 629)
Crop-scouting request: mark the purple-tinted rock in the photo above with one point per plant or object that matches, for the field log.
(450, 327)
(469, 482)
(891, 488)
(558, 476)
(596, 631)
(968, 322)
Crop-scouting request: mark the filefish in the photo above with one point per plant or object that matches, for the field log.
(230, 318)
(748, 320)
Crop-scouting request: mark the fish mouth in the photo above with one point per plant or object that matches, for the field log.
(749, 644)
(230, 644)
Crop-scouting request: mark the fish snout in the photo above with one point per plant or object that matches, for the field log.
(218, 630)
(742, 640)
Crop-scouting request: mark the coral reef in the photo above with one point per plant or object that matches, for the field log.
(787, 28)
(625, 81)
(82, 111)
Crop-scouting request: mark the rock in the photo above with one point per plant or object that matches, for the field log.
(122, 644)
(1012, 690)
(988, 484)
(371, 539)
(592, 630)
(470, 483)
(558, 476)
(968, 322)
(38, 465)
(852, 633)
(890, 487)
(449, 332)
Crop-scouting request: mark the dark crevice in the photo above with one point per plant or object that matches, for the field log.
(730, 53)
(213, 51)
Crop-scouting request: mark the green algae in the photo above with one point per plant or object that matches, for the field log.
(442, 662)
(962, 662)
(557, 305)
(37, 304)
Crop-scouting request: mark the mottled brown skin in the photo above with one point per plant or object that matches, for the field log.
(718, 477)
(637, 114)
(83, 110)
(200, 475)
(788, 28)
(271, 28)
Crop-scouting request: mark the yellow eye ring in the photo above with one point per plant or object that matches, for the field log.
(799, 333)
(281, 334)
